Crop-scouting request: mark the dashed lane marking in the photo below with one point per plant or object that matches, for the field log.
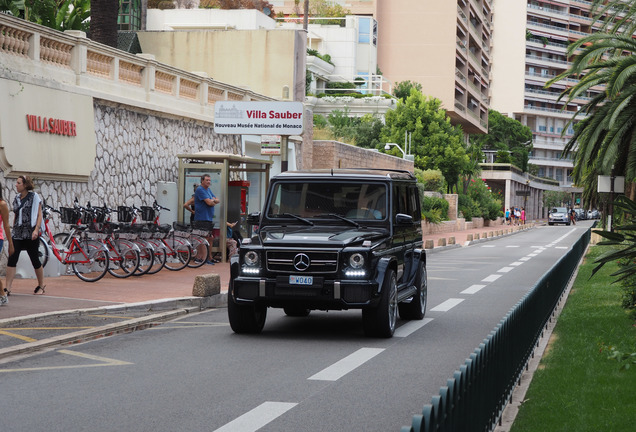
(346, 365)
(258, 417)
(491, 278)
(512, 246)
(411, 327)
(516, 263)
(504, 269)
(447, 305)
(472, 289)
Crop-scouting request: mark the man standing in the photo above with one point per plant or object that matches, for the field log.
(204, 202)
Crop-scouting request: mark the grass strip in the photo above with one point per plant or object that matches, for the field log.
(576, 387)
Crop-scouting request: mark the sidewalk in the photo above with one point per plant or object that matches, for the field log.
(69, 293)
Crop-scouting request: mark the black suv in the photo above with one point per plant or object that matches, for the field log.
(333, 240)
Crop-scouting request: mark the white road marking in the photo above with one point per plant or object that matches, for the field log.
(411, 327)
(512, 246)
(472, 289)
(516, 263)
(491, 278)
(533, 254)
(561, 247)
(258, 417)
(504, 269)
(489, 246)
(346, 365)
(447, 305)
(525, 258)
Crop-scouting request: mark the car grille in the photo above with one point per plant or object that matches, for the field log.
(320, 261)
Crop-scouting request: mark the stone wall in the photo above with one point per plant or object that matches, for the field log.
(334, 154)
(135, 150)
(459, 224)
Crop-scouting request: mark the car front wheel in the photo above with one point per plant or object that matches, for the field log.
(248, 318)
(381, 320)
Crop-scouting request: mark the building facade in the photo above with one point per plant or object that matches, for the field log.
(529, 49)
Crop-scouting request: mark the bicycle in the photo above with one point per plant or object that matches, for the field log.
(178, 249)
(152, 254)
(196, 237)
(124, 255)
(88, 258)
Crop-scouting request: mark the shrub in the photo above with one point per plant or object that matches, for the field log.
(434, 209)
(431, 179)
(468, 207)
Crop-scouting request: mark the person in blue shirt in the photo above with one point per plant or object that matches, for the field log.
(204, 203)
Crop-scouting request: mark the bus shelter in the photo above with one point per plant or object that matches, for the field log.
(239, 182)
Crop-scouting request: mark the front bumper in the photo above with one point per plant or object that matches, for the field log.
(323, 294)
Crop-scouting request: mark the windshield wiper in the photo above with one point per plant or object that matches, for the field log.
(307, 221)
(351, 221)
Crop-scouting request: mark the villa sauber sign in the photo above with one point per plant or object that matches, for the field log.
(258, 118)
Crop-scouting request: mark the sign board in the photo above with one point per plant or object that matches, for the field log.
(270, 144)
(605, 183)
(523, 193)
(258, 118)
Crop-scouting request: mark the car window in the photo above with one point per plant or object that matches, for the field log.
(314, 199)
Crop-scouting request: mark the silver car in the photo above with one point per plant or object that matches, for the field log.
(559, 215)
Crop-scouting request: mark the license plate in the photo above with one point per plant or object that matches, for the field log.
(301, 280)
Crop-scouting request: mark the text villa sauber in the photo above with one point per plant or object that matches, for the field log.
(51, 125)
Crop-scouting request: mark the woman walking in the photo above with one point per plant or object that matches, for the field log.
(27, 207)
(4, 217)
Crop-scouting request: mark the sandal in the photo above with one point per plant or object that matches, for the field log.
(7, 292)
(38, 289)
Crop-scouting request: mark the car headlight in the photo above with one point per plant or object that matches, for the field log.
(356, 261)
(252, 259)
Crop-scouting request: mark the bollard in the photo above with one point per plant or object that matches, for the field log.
(451, 240)
(477, 236)
(206, 285)
(441, 242)
(469, 237)
(428, 244)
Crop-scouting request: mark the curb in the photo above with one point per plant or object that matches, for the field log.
(171, 308)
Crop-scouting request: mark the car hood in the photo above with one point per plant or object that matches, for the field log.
(557, 215)
(318, 235)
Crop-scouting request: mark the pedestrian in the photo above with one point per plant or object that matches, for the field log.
(189, 204)
(27, 209)
(572, 216)
(523, 215)
(204, 203)
(518, 215)
(230, 241)
(4, 217)
(508, 217)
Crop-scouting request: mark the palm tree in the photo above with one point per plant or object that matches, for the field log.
(104, 21)
(606, 138)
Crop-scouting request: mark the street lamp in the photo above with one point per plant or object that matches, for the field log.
(387, 147)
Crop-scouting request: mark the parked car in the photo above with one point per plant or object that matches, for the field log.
(593, 214)
(559, 215)
(580, 214)
(333, 240)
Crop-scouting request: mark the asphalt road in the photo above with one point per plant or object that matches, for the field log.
(314, 373)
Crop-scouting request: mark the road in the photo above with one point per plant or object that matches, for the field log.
(315, 373)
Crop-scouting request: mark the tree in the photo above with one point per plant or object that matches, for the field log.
(402, 89)
(56, 14)
(327, 8)
(261, 5)
(103, 27)
(506, 135)
(436, 144)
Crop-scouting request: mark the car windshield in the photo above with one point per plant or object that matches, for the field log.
(559, 210)
(329, 200)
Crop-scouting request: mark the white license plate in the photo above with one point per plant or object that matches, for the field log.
(301, 280)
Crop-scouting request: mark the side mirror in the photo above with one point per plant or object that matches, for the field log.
(254, 218)
(403, 219)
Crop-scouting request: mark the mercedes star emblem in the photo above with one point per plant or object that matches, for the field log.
(301, 262)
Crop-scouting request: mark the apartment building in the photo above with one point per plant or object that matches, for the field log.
(442, 45)
(529, 49)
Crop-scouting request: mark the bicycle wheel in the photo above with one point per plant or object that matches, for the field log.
(96, 264)
(146, 257)
(43, 251)
(178, 253)
(200, 251)
(124, 258)
(160, 255)
(60, 239)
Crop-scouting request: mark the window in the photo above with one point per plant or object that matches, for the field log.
(129, 15)
(364, 30)
(542, 128)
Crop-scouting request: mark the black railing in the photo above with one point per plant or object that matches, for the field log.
(476, 395)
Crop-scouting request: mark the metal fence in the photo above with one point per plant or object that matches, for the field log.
(474, 398)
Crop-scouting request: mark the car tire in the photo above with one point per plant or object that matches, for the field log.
(381, 320)
(416, 308)
(248, 318)
(296, 311)
(550, 223)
